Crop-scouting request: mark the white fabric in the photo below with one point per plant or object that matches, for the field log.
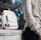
(11, 19)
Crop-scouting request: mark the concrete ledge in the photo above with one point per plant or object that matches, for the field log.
(10, 32)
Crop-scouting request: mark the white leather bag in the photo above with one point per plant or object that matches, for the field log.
(9, 17)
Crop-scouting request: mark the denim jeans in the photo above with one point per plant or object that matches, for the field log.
(29, 35)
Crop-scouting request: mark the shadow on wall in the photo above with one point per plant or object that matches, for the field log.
(21, 23)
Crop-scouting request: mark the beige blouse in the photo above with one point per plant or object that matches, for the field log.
(32, 14)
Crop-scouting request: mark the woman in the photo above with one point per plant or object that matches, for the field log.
(32, 17)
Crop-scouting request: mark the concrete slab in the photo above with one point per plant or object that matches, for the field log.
(10, 34)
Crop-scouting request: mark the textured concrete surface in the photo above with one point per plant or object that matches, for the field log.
(10, 34)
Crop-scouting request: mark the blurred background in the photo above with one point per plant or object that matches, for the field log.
(16, 6)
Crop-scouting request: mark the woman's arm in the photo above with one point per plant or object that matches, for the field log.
(32, 21)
